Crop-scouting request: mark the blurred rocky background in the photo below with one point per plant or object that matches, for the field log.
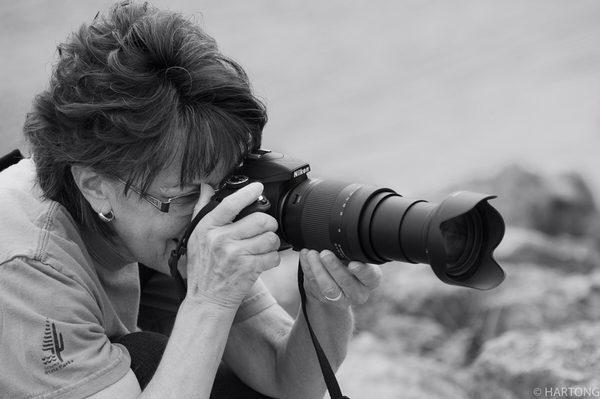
(425, 97)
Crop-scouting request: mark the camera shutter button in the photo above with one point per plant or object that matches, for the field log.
(262, 200)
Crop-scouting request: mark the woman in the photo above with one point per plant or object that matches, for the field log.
(142, 120)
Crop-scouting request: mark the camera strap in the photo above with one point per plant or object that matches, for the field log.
(182, 246)
(328, 374)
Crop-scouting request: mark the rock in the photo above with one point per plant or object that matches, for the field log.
(415, 291)
(457, 349)
(369, 371)
(513, 365)
(419, 314)
(556, 205)
(533, 297)
(416, 313)
(563, 253)
(409, 334)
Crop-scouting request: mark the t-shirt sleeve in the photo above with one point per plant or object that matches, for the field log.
(52, 343)
(255, 302)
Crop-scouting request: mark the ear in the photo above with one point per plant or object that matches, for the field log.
(96, 189)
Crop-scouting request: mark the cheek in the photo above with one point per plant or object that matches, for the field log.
(167, 228)
(156, 229)
(144, 230)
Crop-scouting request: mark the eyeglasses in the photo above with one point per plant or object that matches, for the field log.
(178, 206)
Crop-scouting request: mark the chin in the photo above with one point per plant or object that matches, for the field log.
(158, 262)
(159, 265)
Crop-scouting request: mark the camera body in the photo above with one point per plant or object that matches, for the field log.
(278, 173)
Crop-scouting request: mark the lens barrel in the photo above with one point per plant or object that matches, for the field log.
(377, 225)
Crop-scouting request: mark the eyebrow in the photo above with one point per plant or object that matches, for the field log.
(171, 184)
(188, 188)
(168, 187)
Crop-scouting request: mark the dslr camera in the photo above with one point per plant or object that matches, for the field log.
(456, 237)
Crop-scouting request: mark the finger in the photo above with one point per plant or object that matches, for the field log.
(252, 225)
(206, 192)
(233, 204)
(310, 282)
(261, 244)
(326, 283)
(369, 275)
(308, 274)
(264, 262)
(337, 269)
(354, 289)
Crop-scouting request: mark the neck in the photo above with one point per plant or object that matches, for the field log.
(108, 252)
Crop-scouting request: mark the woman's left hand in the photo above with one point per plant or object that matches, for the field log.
(336, 282)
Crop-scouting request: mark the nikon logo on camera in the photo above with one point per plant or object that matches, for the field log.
(301, 171)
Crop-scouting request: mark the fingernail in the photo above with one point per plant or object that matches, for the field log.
(257, 186)
(327, 256)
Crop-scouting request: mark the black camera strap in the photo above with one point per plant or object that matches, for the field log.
(328, 374)
(182, 246)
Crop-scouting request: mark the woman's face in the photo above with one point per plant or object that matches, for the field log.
(146, 234)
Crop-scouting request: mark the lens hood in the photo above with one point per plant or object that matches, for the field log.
(488, 274)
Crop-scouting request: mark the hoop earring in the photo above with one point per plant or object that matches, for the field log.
(109, 217)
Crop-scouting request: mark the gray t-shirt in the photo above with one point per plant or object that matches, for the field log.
(59, 306)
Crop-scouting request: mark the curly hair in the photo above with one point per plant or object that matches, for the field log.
(131, 93)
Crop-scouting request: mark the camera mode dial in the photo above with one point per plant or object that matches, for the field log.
(237, 181)
(234, 183)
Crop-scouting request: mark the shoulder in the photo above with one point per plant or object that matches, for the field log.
(29, 285)
(31, 226)
(53, 336)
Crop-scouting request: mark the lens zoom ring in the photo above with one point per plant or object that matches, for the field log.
(316, 214)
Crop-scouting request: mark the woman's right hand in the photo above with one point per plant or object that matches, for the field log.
(224, 257)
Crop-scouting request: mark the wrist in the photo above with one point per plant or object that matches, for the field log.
(209, 306)
(198, 295)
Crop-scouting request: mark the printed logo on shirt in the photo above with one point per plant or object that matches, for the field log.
(53, 343)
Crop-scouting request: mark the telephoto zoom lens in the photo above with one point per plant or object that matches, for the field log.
(376, 225)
